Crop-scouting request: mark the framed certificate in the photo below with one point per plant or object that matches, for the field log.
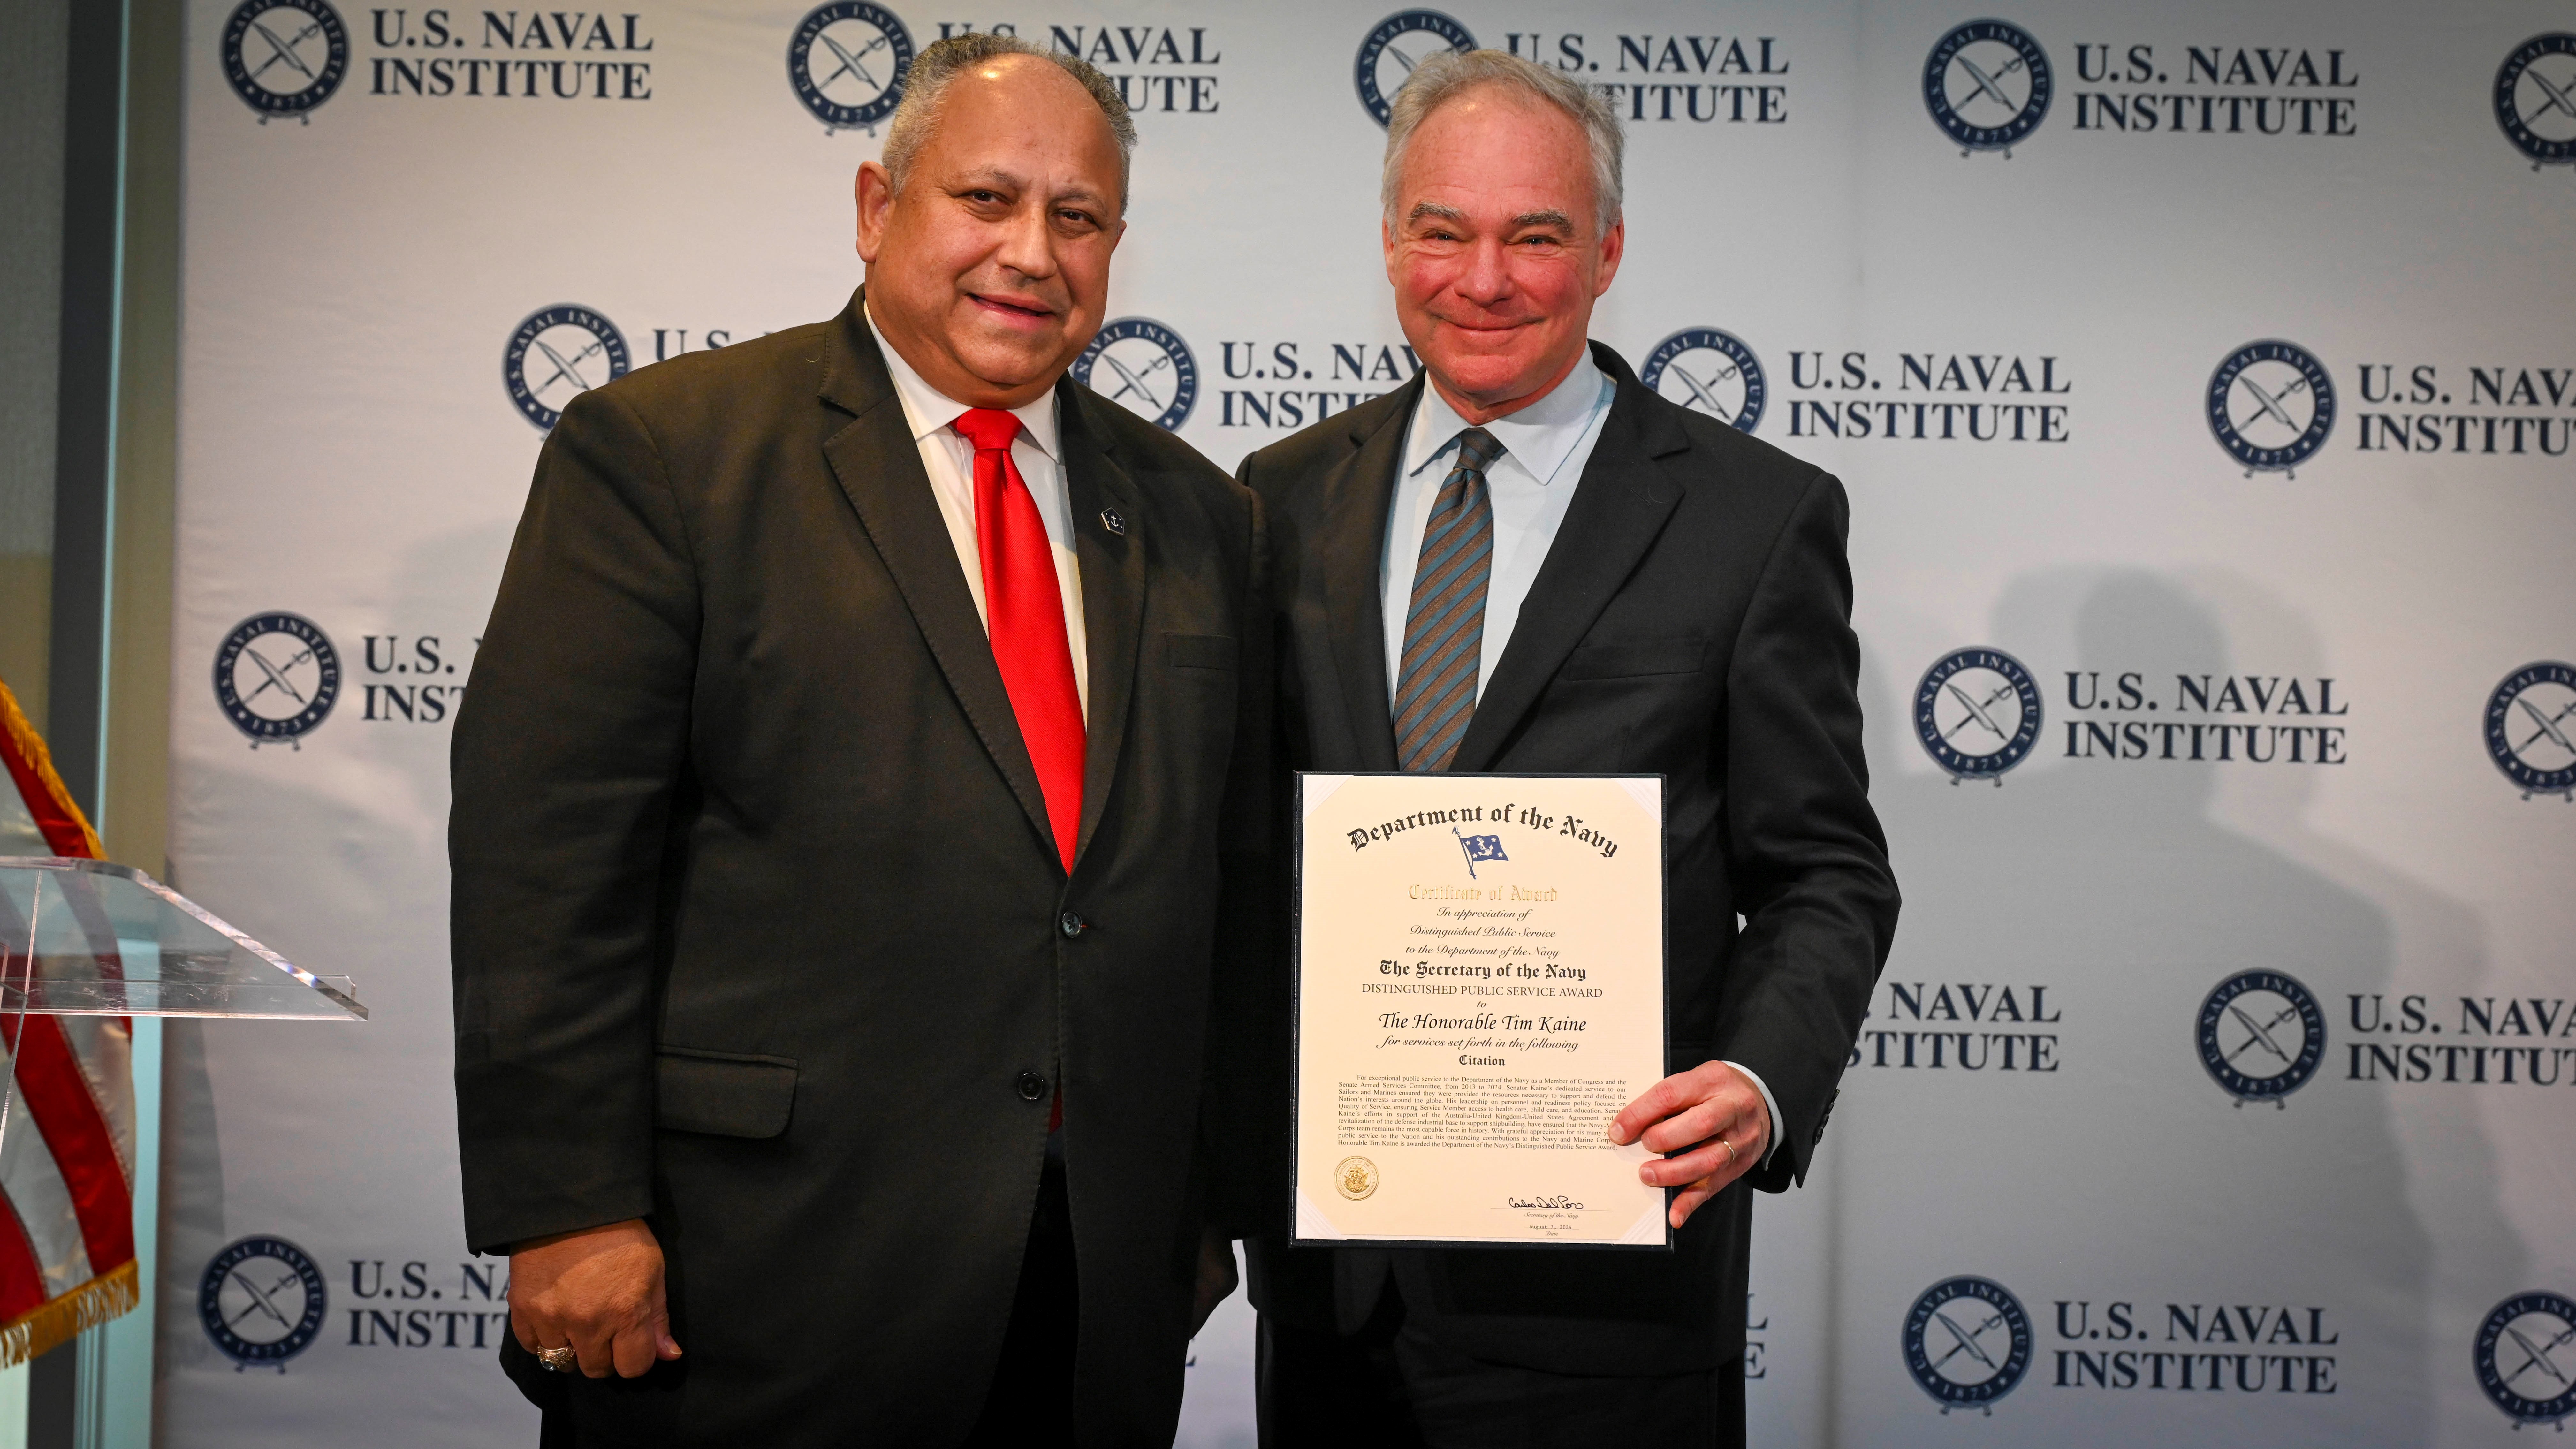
(1479, 990)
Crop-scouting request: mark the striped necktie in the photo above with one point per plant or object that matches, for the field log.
(1444, 629)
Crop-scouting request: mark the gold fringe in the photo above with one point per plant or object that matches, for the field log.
(58, 1321)
(111, 1294)
(31, 748)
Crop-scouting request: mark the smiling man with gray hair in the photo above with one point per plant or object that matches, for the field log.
(860, 777)
(1527, 562)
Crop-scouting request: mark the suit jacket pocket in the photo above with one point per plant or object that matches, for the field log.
(722, 1093)
(1199, 651)
(1628, 658)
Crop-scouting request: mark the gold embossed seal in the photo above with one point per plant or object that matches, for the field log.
(1356, 1177)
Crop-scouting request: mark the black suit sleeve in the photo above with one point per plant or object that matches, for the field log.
(1804, 847)
(568, 755)
(1243, 1140)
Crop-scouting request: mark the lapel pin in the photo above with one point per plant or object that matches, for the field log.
(1111, 520)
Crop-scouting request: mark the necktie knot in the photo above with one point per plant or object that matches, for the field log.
(991, 430)
(1477, 449)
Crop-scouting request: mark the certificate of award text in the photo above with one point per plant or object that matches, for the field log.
(1480, 989)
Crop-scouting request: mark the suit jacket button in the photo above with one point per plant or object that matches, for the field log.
(1070, 924)
(1032, 1086)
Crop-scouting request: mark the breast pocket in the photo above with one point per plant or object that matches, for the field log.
(1635, 658)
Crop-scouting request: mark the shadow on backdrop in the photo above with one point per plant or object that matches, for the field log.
(2139, 884)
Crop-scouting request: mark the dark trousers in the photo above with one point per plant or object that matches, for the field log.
(1030, 1403)
(1031, 1400)
(1393, 1386)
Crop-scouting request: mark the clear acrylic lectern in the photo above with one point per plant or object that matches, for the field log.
(86, 938)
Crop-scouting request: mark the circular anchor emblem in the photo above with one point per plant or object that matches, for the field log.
(2535, 99)
(1988, 85)
(276, 677)
(2271, 406)
(262, 1301)
(2261, 1035)
(2526, 1357)
(1144, 367)
(285, 57)
(1977, 713)
(848, 61)
(1709, 371)
(1967, 1342)
(1395, 46)
(2531, 728)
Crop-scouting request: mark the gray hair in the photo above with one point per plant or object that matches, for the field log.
(1449, 74)
(926, 83)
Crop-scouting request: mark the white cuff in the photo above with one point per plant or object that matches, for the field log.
(1771, 1105)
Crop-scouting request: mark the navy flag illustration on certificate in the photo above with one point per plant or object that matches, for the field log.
(1480, 989)
(1479, 847)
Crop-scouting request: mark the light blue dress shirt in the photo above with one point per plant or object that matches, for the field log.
(1545, 448)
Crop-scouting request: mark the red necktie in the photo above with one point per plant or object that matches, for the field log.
(1024, 616)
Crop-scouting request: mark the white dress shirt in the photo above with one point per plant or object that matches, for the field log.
(950, 461)
(1545, 448)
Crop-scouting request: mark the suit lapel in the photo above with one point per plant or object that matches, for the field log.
(1357, 494)
(879, 467)
(1113, 591)
(1619, 506)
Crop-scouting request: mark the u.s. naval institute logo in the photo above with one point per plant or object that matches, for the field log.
(847, 61)
(276, 677)
(262, 1301)
(1395, 46)
(2271, 405)
(285, 57)
(2535, 99)
(1144, 366)
(2526, 1357)
(2261, 1034)
(1967, 1342)
(557, 354)
(1709, 371)
(1988, 84)
(1977, 713)
(2531, 728)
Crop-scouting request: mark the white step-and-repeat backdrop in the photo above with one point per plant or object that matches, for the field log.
(2206, 410)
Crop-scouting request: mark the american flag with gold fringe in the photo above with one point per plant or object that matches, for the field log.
(67, 1137)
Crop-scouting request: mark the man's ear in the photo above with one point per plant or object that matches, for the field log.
(1614, 245)
(874, 191)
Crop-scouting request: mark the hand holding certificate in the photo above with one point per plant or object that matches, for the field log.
(1480, 992)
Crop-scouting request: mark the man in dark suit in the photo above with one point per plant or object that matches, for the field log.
(868, 735)
(1526, 561)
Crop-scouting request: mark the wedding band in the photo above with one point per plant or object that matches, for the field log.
(562, 1360)
(1730, 1150)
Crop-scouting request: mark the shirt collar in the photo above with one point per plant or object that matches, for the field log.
(927, 409)
(1541, 436)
